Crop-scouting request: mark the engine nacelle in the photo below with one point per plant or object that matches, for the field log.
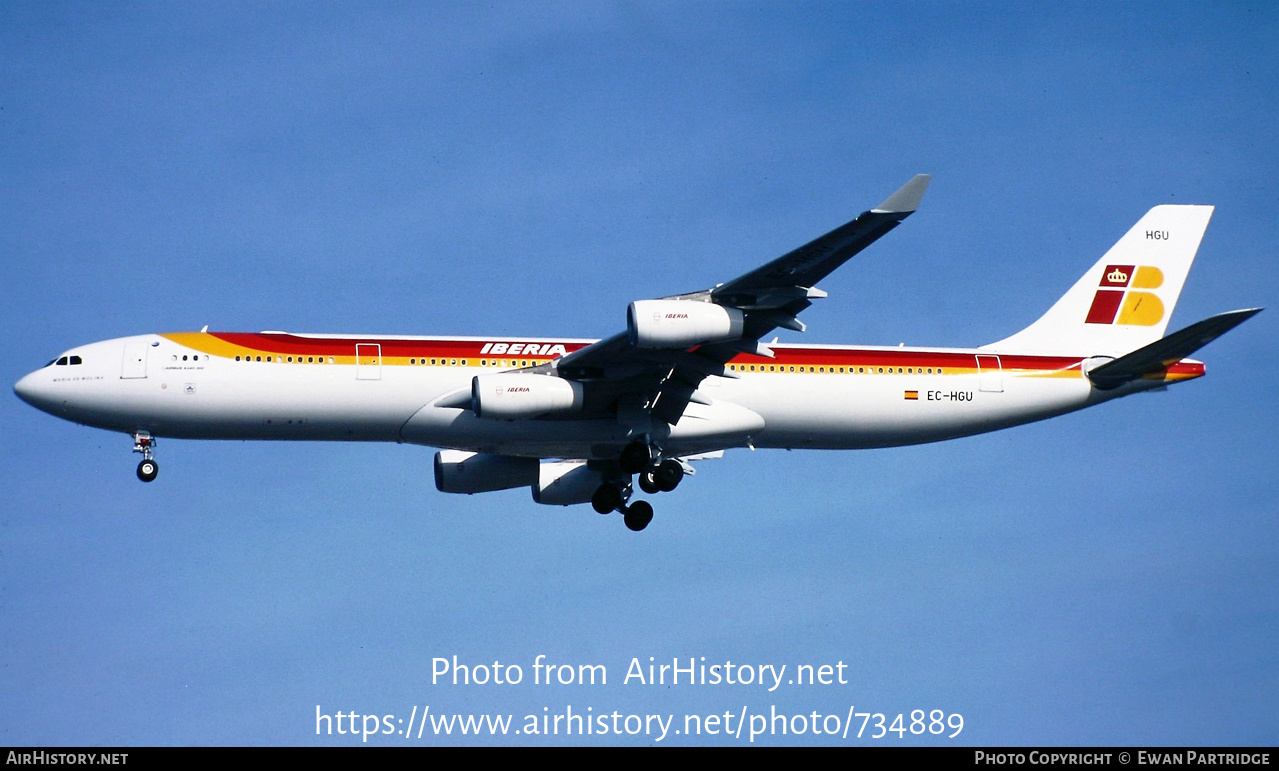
(681, 323)
(515, 395)
(566, 482)
(470, 472)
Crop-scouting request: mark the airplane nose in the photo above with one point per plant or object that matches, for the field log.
(30, 390)
(24, 388)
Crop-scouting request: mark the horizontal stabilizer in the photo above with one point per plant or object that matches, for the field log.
(1163, 352)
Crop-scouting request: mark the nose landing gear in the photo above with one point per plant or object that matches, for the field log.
(144, 443)
(148, 470)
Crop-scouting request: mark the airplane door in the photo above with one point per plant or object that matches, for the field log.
(135, 361)
(991, 374)
(368, 361)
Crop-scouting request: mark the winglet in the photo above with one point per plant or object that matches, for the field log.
(907, 198)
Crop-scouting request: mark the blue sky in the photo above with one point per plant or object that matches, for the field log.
(517, 168)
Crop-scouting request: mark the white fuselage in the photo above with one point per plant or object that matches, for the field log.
(300, 387)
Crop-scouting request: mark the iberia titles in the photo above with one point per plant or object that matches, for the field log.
(523, 349)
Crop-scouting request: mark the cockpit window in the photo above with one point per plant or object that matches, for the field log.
(61, 362)
(76, 360)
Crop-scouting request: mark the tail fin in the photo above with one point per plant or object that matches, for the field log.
(1124, 301)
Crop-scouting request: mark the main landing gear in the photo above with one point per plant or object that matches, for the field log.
(655, 476)
(144, 443)
(609, 497)
(635, 457)
(662, 477)
(638, 515)
(612, 497)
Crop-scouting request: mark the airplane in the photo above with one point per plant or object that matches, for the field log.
(585, 421)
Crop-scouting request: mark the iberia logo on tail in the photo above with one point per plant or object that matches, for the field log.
(1117, 302)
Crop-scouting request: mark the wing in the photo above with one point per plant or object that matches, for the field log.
(658, 374)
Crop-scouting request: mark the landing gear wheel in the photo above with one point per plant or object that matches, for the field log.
(638, 515)
(648, 483)
(668, 475)
(148, 469)
(144, 443)
(635, 456)
(607, 498)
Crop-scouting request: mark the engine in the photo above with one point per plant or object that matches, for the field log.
(469, 472)
(566, 482)
(681, 323)
(515, 395)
